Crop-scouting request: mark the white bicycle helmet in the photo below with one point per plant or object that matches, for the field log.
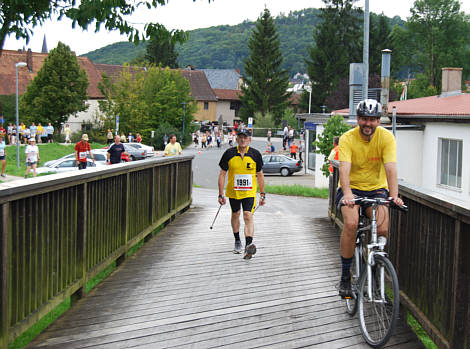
(369, 107)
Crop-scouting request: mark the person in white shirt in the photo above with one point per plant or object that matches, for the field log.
(32, 157)
(3, 155)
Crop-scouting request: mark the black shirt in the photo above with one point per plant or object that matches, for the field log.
(115, 151)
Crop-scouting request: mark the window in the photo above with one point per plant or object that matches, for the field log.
(206, 105)
(68, 163)
(450, 153)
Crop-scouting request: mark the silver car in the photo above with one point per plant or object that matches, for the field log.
(281, 164)
(65, 165)
(135, 153)
(150, 150)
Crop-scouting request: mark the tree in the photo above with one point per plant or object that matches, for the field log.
(145, 99)
(334, 127)
(58, 90)
(161, 47)
(440, 33)
(266, 83)
(17, 17)
(337, 43)
(379, 39)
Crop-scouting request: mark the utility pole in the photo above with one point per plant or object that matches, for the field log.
(365, 53)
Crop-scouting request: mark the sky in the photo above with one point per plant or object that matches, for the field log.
(188, 15)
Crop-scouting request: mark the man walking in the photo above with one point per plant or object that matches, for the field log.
(81, 150)
(115, 151)
(245, 170)
(172, 148)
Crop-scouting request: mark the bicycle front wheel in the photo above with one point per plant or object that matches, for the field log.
(378, 315)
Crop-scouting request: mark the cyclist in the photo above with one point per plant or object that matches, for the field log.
(245, 167)
(367, 155)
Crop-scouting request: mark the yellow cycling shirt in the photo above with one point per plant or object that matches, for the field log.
(367, 158)
(241, 181)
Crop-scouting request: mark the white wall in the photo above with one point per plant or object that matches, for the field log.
(223, 108)
(432, 133)
(75, 122)
(410, 156)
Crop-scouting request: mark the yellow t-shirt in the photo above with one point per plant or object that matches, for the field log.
(367, 159)
(173, 149)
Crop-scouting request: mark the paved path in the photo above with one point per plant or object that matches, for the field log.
(186, 289)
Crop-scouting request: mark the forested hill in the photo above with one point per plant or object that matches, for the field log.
(226, 47)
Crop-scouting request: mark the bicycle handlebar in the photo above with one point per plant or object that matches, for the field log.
(379, 201)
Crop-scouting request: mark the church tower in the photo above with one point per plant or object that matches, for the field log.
(44, 45)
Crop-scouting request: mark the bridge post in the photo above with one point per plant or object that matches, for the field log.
(5, 246)
(82, 215)
(124, 220)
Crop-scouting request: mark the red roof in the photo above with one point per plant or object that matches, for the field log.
(457, 105)
(228, 95)
(200, 88)
(9, 58)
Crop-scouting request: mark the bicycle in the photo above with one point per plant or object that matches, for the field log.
(374, 282)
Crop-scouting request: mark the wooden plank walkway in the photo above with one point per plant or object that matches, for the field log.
(186, 289)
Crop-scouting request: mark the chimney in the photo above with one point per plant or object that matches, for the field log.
(29, 60)
(451, 81)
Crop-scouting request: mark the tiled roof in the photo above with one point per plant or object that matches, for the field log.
(458, 105)
(200, 88)
(228, 95)
(9, 58)
(223, 78)
(114, 71)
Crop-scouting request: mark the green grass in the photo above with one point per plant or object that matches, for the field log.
(196, 185)
(297, 190)
(47, 152)
(420, 332)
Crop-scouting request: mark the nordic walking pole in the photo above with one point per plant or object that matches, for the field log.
(215, 217)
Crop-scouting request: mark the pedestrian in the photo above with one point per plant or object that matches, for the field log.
(244, 166)
(3, 155)
(130, 137)
(115, 151)
(195, 140)
(219, 140)
(203, 141)
(293, 150)
(33, 131)
(50, 133)
(3, 132)
(269, 135)
(165, 140)
(172, 148)
(123, 138)
(26, 135)
(285, 136)
(301, 149)
(334, 154)
(14, 135)
(32, 157)
(291, 136)
(109, 137)
(67, 132)
(9, 132)
(138, 138)
(82, 148)
(42, 133)
(21, 132)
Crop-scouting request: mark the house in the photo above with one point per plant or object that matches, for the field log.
(433, 140)
(202, 92)
(34, 61)
(226, 85)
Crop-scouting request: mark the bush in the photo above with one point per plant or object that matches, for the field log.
(334, 127)
(266, 121)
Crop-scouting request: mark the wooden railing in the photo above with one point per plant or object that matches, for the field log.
(58, 232)
(429, 247)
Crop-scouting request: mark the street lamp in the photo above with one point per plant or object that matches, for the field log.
(19, 64)
(309, 89)
(184, 112)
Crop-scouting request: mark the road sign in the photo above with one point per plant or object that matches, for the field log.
(117, 124)
(310, 126)
(250, 122)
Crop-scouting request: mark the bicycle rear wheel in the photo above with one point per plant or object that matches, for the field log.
(377, 316)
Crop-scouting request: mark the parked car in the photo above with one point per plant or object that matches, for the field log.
(150, 150)
(281, 164)
(65, 165)
(99, 155)
(134, 153)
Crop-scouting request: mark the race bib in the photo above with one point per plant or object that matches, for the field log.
(82, 155)
(2, 152)
(243, 182)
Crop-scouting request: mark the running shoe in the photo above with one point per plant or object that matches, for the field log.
(250, 250)
(345, 290)
(238, 247)
(3, 175)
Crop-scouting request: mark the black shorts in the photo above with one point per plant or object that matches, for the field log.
(82, 165)
(248, 204)
(378, 193)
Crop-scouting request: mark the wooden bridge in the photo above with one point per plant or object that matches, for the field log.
(184, 287)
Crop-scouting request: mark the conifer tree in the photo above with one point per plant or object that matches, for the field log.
(58, 90)
(265, 83)
(337, 43)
